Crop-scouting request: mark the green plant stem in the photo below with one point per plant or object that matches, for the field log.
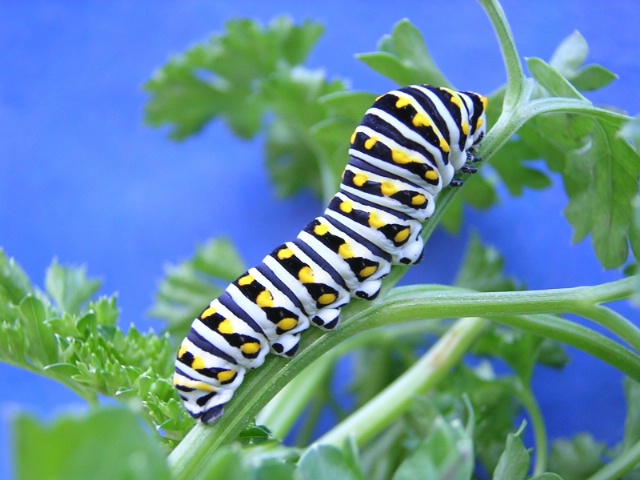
(539, 429)
(611, 320)
(582, 338)
(515, 75)
(394, 400)
(620, 465)
(284, 409)
(406, 304)
(305, 433)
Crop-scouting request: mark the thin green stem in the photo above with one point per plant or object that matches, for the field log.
(578, 336)
(394, 400)
(515, 75)
(308, 427)
(612, 321)
(539, 429)
(620, 465)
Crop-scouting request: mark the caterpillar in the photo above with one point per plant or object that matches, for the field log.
(408, 147)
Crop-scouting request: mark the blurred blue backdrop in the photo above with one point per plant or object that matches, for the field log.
(82, 179)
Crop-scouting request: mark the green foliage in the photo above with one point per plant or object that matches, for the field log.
(446, 452)
(240, 76)
(404, 57)
(191, 285)
(108, 444)
(577, 458)
(82, 347)
(514, 461)
(218, 77)
(69, 288)
(427, 410)
(598, 166)
(483, 269)
(326, 462)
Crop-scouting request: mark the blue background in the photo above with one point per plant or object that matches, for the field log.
(82, 179)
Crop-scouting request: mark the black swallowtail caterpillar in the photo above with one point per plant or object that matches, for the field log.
(408, 147)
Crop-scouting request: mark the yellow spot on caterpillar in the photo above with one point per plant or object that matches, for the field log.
(400, 157)
(226, 376)
(402, 102)
(388, 189)
(465, 128)
(207, 313)
(431, 175)
(346, 207)
(402, 235)
(265, 299)
(370, 143)
(420, 120)
(246, 280)
(225, 327)
(444, 146)
(374, 221)
(456, 100)
(353, 137)
(368, 271)
(484, 101)
(198, 363)
(418, 200)
(305, 275)
(182, 351)
(345, 251)
(285, 253)
(327, 298)
(479, 123)
(359, 179)
(287, 324)
(185, 382)
(320, 230)
(250, 348)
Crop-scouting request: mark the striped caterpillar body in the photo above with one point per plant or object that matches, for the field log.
(408, 147)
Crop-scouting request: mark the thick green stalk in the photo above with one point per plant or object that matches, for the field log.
(394, 400)
(283, 411)
(407, 304)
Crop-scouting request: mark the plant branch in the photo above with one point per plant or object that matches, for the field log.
(394, 400)
(409, 304)
(620, 465)
(539, 429)
(515, 75)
